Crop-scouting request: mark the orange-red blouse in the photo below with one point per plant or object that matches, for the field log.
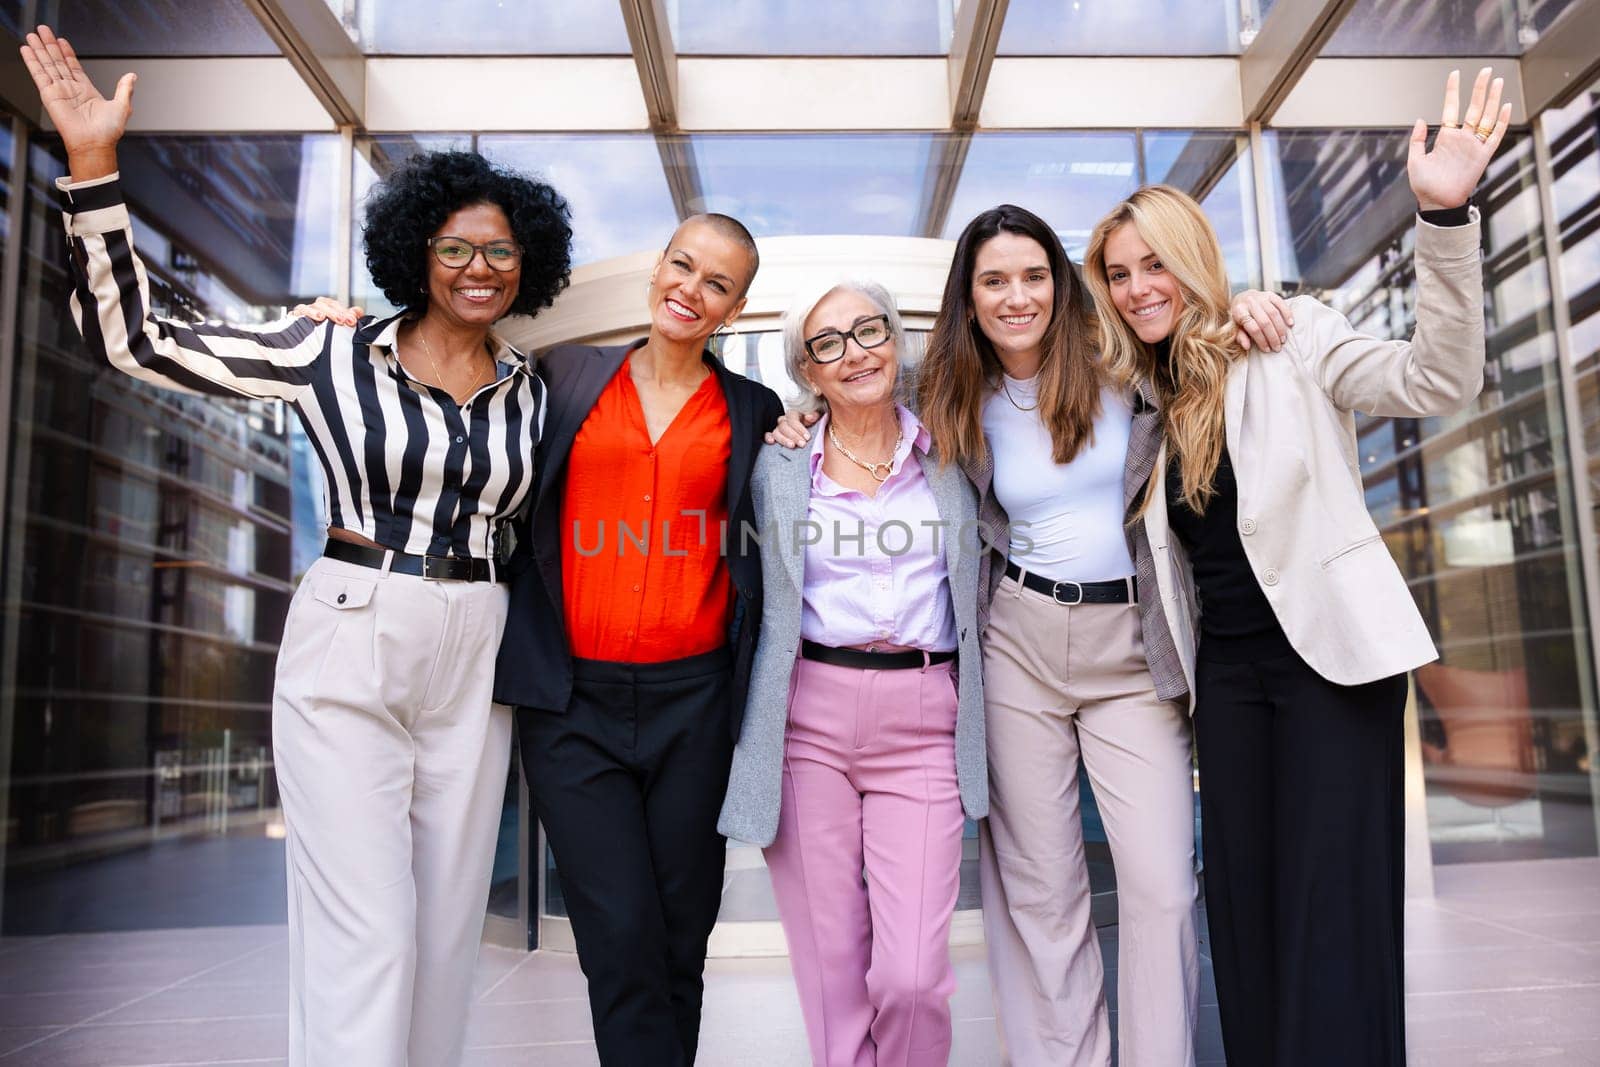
(643, 575)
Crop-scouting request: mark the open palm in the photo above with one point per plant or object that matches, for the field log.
(85, 119)
(1446, 176)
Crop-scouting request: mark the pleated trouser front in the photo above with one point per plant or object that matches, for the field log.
(391, 762)
(1065, 685)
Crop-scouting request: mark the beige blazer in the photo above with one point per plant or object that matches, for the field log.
(1315, 551)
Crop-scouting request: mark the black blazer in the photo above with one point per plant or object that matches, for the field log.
(534, 669)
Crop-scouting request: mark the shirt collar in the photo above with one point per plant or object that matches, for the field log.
(912, 435)
(382, 333)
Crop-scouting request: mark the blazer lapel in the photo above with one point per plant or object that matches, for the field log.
(571, 409)
(1144, 442)
(946, 483)
(1233, 416)
(744, 441)
(790, 492)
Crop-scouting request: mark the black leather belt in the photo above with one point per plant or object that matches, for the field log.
(433, 568)
(1117, 591)
(871, 661)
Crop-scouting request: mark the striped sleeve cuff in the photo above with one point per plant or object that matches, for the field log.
(93, 206)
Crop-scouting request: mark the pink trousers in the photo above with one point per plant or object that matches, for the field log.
(867, 861)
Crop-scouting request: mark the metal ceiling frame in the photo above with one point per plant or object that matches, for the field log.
(1291, 36)
(1560, 65)
(321, 50)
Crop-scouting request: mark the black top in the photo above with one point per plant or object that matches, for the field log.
(1237, 624)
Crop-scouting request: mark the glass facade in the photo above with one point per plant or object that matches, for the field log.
(148, 560)
(152, 539)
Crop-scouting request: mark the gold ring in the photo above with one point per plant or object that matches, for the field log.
(1485, 132)
(1449, 125)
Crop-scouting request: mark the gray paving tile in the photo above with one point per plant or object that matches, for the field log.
(149, 1044)
(1537, 966)
(62, 1009)
(1502, 1016)
(197, 1003)
(490, 1025)
(15, 1037)
(580, 1055)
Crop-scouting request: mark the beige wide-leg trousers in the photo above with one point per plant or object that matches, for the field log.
(391, 763)
(1064, 684)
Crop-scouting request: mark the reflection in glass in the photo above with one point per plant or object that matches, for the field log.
(811, 27)
(814, 183)
(614, 183)
(151, 27)
(1215, 169)
(1067, 179)
(1477, 508)
(1130, 28)
(151, 567)
(490, 27)
(1444, 27)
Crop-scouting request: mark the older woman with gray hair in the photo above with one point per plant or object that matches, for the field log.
(863, 742)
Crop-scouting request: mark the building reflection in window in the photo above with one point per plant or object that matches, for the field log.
(149, 566)
(1476, 507)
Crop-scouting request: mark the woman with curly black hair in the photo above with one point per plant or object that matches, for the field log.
(390, 755)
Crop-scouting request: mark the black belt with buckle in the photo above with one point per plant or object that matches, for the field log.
(1116, 591)
(433, 568)
(861, 659)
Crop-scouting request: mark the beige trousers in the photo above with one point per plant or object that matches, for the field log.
(391, 763)
(1064, 684)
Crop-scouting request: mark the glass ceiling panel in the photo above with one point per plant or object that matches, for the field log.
(491, 27)
(1444, 27)
(1068, 179)
(147, 27)
(614, 184)
(815, 183)
(1121, 28)
(811, 27)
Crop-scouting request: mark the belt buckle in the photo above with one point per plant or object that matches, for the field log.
(1055, 594)
(446, 569)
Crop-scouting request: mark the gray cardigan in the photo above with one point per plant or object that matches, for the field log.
(781, 491)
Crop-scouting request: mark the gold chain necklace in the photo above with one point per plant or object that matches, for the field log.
(1006, 387)
(871, 468)
(428, 351)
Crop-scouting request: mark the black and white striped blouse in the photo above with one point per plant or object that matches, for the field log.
(403, 464)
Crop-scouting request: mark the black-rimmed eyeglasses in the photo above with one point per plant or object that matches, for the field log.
(457, 252)
(829, 345)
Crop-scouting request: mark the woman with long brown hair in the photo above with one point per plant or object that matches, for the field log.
(1257, 527)
(1012, 388)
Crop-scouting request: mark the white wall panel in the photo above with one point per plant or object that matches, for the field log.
(1387, 92)
(1097, 93)
(813, 94)
(497, 94)
(253, 95)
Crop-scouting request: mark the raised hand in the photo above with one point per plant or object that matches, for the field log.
(89, 124)
(1446, 176)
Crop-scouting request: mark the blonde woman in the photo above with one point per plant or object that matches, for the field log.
(1255, 512)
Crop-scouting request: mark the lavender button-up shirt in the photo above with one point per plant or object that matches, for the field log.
(875, 565)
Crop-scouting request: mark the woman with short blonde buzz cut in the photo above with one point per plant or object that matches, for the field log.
(1255, 526)
(862, 746)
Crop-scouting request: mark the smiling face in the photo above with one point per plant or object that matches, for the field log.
(474, 296)
(697, 284)
(1013, 298)
(1144, 292)
(862, 377)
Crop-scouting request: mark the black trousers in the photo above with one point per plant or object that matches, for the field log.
(628, 783)
(1303, 829)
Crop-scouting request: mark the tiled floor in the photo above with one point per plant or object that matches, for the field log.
(1503, 968)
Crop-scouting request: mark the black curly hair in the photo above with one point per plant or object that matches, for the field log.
(410, 205)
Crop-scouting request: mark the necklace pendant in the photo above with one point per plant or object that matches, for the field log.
(880, 478)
